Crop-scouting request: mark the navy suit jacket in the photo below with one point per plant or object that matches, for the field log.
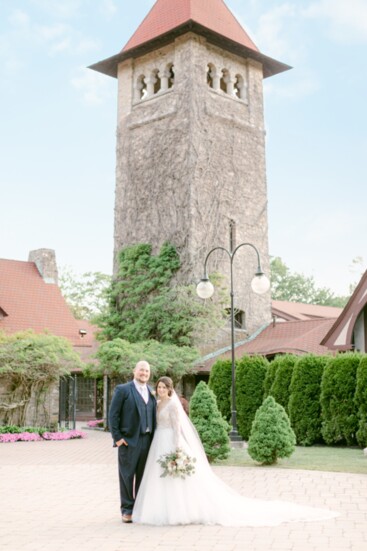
(125, 413)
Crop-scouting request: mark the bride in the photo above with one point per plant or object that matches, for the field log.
(202, 497)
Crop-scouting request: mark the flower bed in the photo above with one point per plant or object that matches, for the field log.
(95, 424)
(31, 434)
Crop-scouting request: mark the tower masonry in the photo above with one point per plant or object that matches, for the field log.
(190, 164)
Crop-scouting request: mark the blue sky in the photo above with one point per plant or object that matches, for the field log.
(58, 121)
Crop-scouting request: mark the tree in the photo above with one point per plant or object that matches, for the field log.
(361, 402)
(212, 428)
(304, 402)
(271, 434)
(270, 377)
(294, 287)
(220, 382)
(250, 376)
(118, 357)
(31, 364)
(85, 293)
(282, 380)
(144, 305)
(339, 410)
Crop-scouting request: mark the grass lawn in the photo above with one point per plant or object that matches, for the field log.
(314, 458)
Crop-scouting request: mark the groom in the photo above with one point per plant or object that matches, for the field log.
(132, 421)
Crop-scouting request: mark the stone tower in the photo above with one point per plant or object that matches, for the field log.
(190, 142)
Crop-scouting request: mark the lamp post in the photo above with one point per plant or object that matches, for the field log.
(260, 284)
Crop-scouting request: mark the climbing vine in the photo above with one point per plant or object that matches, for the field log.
(144, 303)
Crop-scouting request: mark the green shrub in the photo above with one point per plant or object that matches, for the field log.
(271, 435)
(361, 402)
(304, 402)
(270, 376)
(220, 382)
(250, 375)
(339, 411)
(282, 380)
(212, 428)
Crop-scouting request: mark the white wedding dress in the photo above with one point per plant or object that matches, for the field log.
(202, 498)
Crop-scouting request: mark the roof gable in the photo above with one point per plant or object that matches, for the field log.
(291, 337)
(167, 15)
(299, 311)
(341, 333)
(30, 303)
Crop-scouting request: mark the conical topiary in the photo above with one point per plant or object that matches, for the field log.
(271, 435)
(212, 428)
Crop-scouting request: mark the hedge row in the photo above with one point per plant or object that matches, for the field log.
(324, 396)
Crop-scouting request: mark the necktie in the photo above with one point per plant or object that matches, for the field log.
(143, 392)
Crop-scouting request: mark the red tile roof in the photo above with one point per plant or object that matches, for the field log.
(167, 15)
(30, 303)
(292, 337)
(299, 311)
(169, 19)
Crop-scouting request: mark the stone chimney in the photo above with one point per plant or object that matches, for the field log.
(45, 260)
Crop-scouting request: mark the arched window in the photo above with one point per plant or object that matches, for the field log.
(156, 81)
(140, 88)
(171, 75)
(240, 87)
(224, 80)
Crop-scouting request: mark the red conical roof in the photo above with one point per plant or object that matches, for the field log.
(167, 15)
(169, 19)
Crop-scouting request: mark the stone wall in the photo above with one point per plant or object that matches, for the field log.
(190, 160)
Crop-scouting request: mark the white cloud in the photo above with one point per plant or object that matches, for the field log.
(108, 8)
(95, 88)
(348, 18)
(272, 31)
(53, 31)
(59, 8)
(19, 18)
(305, 85)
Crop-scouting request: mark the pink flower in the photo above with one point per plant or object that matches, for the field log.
(35, 437)
(20, 437)
(66, 435)
(95, 423)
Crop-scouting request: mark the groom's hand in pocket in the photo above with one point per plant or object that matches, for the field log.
(121, 442)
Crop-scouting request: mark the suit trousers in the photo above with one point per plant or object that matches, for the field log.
(131, 463)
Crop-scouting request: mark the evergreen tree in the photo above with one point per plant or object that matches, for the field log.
(270, 376)
(339, 411)
(271, 435)
(250, 375)
(212, 428)
(361, 402)
(220, 382)
(282, 380)
(304, 402)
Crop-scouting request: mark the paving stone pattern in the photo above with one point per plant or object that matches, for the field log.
(63, 496)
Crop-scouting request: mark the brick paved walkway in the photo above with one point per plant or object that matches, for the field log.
(63, 496)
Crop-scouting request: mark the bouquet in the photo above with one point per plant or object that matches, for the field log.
(177, 464)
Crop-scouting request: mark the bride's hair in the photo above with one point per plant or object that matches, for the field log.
(167, 381)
